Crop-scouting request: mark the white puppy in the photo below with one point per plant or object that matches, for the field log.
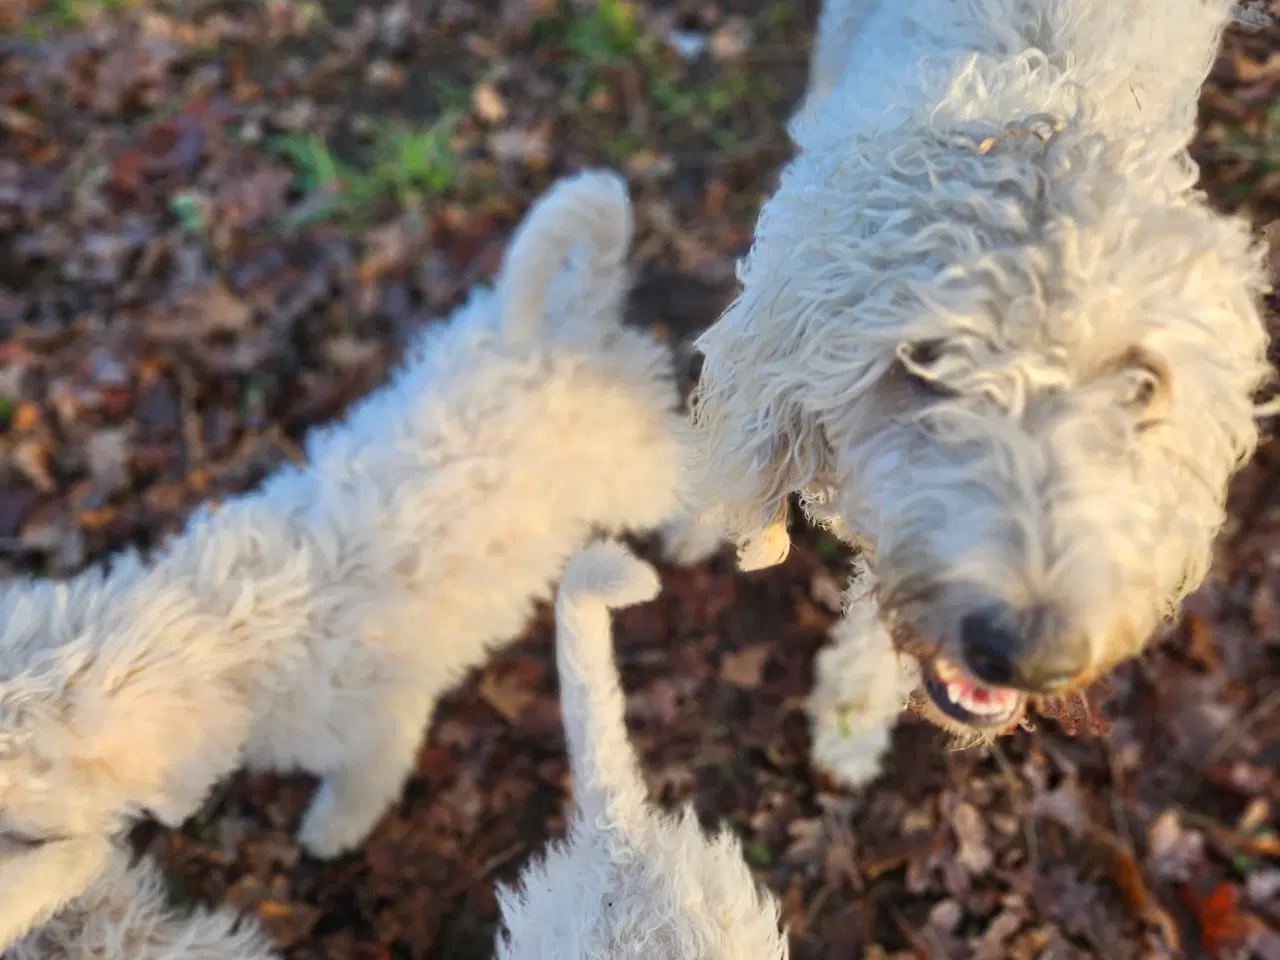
(991, 330)
(314, 623)
(124, 915)
(629, 882)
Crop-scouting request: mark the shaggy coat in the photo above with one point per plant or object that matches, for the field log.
(314, 623)
(990, 330)
(629, 882)
(125, 915)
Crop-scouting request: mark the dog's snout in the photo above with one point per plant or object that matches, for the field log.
(1029, 652)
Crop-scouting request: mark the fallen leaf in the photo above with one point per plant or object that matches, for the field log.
(971, 839)
(1173, 851)
(1223, 928)
(745, 668)
(508, 692)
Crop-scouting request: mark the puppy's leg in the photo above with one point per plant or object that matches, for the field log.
(353, 797)
(861, 688)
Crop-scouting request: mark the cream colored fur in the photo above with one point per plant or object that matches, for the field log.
(862, 684)
(124, 915)
(314, 623)
(989, 328)
(629, 882)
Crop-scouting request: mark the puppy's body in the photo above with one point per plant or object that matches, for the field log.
(124, 915)
(313, 624)
(990, 330)
(628, 882)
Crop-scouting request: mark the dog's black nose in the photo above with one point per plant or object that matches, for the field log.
(1025, 652)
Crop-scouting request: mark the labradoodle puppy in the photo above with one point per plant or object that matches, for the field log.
(314, 623)
(991, 331)
(124, 914)
(629, 881)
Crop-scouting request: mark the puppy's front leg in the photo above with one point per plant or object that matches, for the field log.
(861, 687)
(353, 797)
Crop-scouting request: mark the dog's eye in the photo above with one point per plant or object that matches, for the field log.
(917, 361)
(920, 355)
(1146, 384)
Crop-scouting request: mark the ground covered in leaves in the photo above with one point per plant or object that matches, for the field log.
(218, 223)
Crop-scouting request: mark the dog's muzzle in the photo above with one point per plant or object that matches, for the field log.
(1031, 651)
(1006, 657)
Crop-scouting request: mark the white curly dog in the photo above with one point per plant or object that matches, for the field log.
(125, 915)
(990, 331)
(628, 881)
(314, 623)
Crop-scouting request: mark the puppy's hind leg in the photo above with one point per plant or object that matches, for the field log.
(353, 797)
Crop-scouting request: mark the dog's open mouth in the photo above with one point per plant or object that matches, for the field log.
(966, 700)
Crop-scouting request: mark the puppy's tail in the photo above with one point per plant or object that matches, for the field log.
(610, 789)
(590, 208)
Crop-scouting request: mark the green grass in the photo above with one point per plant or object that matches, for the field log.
(1261, 151)
(57, 14)
(611, 36)
(758, 854)
(189, 209)
(404, 164)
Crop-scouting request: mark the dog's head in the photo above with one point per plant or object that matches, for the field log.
(1024, 374)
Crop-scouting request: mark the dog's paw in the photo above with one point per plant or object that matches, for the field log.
(860, 688)
(846, 746)
(328, 830)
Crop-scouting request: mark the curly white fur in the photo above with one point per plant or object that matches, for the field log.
(629, 882)
(124, 915)
(990, 328)
(862, 685)
(314, 623)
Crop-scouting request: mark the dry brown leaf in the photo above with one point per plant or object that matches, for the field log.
(507, 692)
(971, 839)
(1173, 851)
(745, 668)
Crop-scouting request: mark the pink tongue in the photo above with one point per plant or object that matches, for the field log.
(984, 695)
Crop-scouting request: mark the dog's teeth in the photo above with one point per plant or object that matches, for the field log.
(956, 692)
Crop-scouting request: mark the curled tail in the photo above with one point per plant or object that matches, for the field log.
(590, 207)
(606, 774)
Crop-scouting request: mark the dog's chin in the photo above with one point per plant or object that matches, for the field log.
(955, 700)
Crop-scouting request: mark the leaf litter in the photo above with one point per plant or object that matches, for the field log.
(220, 223)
